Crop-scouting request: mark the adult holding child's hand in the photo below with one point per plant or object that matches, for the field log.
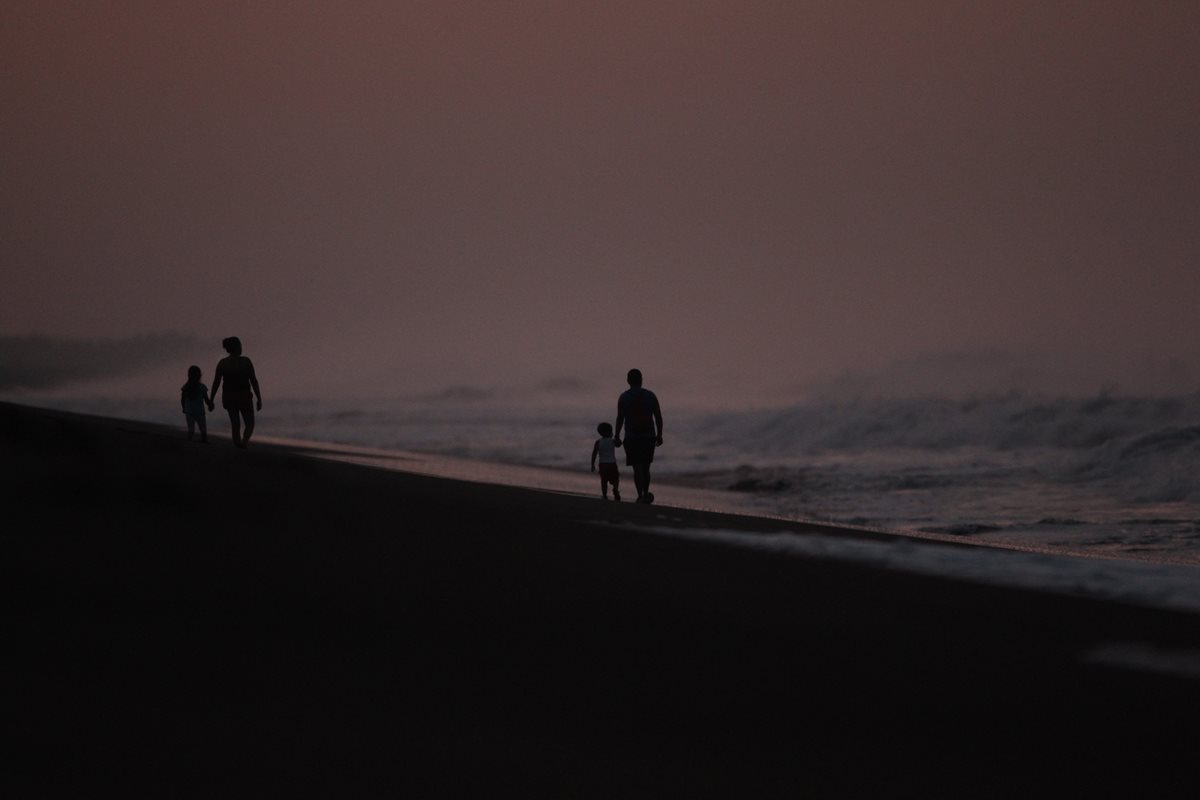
(242, 395)
(639, 413)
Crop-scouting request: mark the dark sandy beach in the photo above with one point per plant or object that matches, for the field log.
(196, 621)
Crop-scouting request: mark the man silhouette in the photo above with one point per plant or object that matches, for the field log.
(638, 412)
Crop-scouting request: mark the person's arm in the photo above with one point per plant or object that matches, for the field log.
(658, 422)
(208, 398)
(620, 424)
(183, 399)
(216, 379)
(595, 452)
(254, 385)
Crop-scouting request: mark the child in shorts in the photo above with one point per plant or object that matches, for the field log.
(193, 396)
(606, 450)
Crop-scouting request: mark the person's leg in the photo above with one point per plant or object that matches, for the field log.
(236, 422)
(191, 425)
(203, 423)
(639, 479)
(248, 413)
(616, 484)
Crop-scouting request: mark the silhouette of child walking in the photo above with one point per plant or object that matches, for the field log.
(606, 450)
(193, 397)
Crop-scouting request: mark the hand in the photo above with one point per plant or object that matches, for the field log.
(593, 467)
(259, 404)
(616, 442)
(211, 407)
(658, 442)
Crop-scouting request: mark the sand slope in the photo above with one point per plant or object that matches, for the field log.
(193, 621)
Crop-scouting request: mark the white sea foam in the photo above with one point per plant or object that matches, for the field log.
(1141, 657)
(1152, 585)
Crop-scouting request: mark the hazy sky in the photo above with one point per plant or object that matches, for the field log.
(384, 195)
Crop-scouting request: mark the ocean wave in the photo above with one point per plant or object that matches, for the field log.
(1161, 441)
(1002, 422)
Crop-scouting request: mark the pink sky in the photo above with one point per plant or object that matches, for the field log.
(388, 195)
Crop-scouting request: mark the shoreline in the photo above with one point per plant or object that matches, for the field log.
(1172, 585)
(197, 620)
(1051, 513)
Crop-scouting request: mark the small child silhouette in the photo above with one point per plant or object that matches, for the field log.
(606, 449)
(193, 396)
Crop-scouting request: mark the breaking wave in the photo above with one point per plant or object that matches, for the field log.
(1002, 423)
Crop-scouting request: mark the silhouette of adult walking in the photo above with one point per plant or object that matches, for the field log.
(638, 412)
(238, 374)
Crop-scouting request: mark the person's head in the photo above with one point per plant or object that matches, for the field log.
(194, 373)
(232, 345)
(604, 429)
(634, 377)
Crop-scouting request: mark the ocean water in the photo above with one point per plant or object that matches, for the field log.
(1106, 475)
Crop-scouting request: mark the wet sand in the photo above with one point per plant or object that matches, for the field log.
(196, 621)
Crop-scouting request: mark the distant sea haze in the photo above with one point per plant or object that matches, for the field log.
(1102, 475)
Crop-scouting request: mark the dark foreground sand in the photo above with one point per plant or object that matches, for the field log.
(188, 621)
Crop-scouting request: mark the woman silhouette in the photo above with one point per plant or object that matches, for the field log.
(238, 374)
